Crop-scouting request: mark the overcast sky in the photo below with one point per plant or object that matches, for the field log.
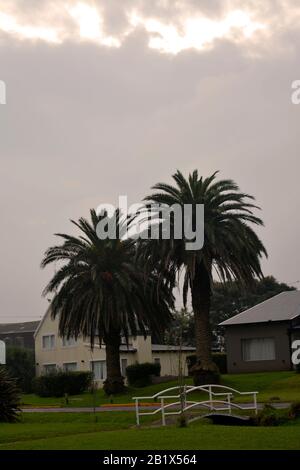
(109, 97)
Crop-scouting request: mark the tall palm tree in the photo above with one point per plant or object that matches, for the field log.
(231, 249)
(101, 291)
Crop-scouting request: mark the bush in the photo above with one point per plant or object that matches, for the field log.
(139, 375)
(182, 421)
(267, 417)
(220, 359)
(294, 410)
(20, 364)
(9, 397)
(59, 383)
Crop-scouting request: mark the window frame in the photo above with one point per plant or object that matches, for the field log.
(64, 340)
(68, 363)
(104, 370)
(54, 342)
(243, 340)
(49, 364)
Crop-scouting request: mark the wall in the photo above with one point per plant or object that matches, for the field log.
(21, 339)
(82, 354)
(169, 362)
(277, 330)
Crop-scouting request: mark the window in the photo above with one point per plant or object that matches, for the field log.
(99, 370)
(258, 349)
(70, 366)
(156, 360)
(48, 341)
(68, 342)
(49, 368)
(123, 367)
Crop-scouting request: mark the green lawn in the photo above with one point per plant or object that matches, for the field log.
(284, 386)
(48, 425)
(114, 431)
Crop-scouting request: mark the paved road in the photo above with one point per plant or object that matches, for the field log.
(84, 410)
(118, 408)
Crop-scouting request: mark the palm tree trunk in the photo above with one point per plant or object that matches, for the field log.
(204, 371)
(114, 382)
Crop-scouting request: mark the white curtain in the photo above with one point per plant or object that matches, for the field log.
(70, 366)
(258, 349)
(99, 370)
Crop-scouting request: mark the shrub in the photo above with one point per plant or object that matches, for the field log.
(220, 359)
(182, 421)
(267, 417)
(294, 410)
(139, 375)
(60, 383)
(9, 397)
(21, 365)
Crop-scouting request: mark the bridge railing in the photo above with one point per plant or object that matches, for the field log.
(213, 403)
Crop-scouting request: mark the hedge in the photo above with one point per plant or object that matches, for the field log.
(139, 375)
(59, 383)
(21, 365)
(220, 359)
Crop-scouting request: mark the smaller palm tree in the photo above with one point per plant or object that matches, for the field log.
(102, 292)
(9, 397)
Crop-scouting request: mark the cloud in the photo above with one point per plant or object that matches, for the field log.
(85, 123)
(171, 26)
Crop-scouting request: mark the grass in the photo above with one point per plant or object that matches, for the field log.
(284, 386)
(89, 400)
(114, 431)
(49, 425)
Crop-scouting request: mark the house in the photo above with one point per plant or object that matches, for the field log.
(53, 352)
(18, 334)
(260, 338)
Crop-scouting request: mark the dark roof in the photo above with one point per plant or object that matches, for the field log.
(26, 327)
(167, 347)
(281, 307)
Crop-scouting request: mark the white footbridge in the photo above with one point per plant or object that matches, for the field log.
(219, 398)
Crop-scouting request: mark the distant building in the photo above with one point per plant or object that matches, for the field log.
(54, 352)
(19, 334)
(260, 338)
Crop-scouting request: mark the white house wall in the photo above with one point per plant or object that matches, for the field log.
(82, 355)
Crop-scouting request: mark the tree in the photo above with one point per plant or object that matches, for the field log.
(231, 248)
(20, 364)
(182, 326)
(228, 299)
(101, 290)
(9, 397)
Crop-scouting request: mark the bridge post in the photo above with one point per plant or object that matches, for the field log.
(137, 412)
(210, 398)
(229, 402)
(255, 402)
(163, 418)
